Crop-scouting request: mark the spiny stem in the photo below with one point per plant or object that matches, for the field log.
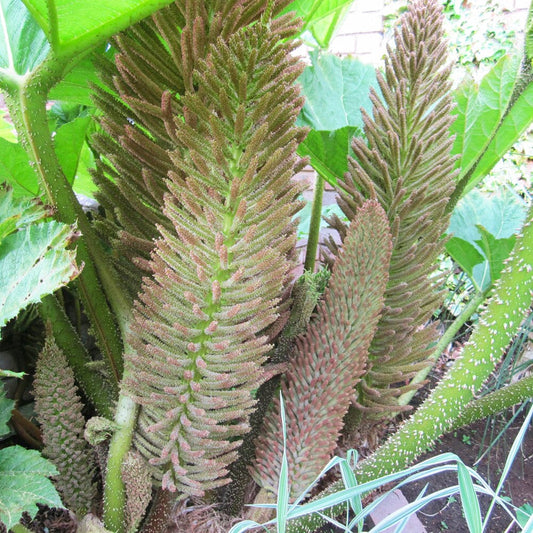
(114, 493)
(68, 340)
(29, 112)
(447, 338)
(314, 225)
(495, 402)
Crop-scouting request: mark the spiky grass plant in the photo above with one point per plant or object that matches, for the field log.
(59, 409)
(197, 341)
(407, 167)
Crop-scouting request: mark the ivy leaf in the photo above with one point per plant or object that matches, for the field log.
(74, 26)
(24, 483)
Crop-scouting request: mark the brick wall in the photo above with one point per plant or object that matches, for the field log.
(361, 33)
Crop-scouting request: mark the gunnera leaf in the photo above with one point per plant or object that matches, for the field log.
(24, 482)
(34, 255)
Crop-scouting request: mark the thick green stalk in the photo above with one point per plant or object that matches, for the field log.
(29, 113)
(68, 340)
(497, 325)
(114, 493)
(314, 225)
(495, 402)
(447, 338)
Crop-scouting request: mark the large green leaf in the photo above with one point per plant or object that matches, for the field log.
(18, 212)
(75, 87)
(483, 228)
(76, 25)
(6, 406)
(486, 126)
(335, 90)
(328, 151)
(34, 260)
(7, 131)
(24, 483)
(16, 170)
(321, 17)
(83, 183)
(23, 44)
(483, 107)
(513, 125)
(69, 141)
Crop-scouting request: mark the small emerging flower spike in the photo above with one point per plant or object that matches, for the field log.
(330, 357)
(59, 407)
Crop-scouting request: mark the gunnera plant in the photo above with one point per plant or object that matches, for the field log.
(219, 273)
(59, 408)
(198, 140)
(407, 167)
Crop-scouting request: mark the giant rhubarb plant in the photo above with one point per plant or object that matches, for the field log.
(407, 167)
(197, 341)
(196, 156)
(330, 358)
